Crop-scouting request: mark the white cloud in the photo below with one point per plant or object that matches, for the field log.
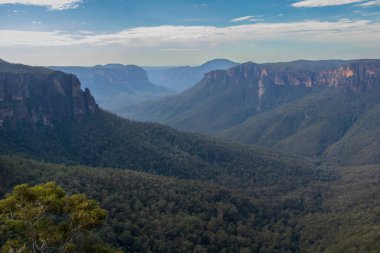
(245, 18)
(322, 3)
(248, 18)
(370, 3)
(34, 38)
(51, 4)
(86, 32)
(358, 32)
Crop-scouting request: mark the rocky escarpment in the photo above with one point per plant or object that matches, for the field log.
(355, 76)
(323, 108)
(42, 96)
(272, 84)
(225, 98)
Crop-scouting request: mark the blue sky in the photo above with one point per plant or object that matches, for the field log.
(186, 32)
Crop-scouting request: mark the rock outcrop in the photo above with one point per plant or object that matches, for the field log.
(41, 96)
(272, 84)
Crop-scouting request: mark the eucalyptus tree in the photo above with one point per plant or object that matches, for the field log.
(44, 219)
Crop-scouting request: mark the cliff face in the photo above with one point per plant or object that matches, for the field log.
(45, 97)
(273, 85)
(356, 76)
(116, 86)
(225, 98)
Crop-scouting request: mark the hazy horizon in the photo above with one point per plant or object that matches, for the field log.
(188, 65)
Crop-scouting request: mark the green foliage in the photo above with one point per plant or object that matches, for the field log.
(307, 126)
(350, 220)
(164, 214)
(104, 140)
(44, 218)
(360, 145)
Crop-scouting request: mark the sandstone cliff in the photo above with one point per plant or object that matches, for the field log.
(39, 95)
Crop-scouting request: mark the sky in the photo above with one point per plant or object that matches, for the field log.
(186, 32)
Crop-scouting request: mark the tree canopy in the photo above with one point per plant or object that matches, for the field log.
(44, 218)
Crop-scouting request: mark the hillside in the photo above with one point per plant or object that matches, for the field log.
(105, 140)
(161, 214)
(182, 78)
(349, 220)
(223, 99)
(288, 106)
(115, 86)
(316, 126)
(360, 143)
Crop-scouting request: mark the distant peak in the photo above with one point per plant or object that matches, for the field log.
(249, 63)
(114, 65)
(219, 60)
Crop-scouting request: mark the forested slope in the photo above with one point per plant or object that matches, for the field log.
(161, 214)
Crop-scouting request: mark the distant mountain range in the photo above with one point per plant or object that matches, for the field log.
(313, 108)
(115, 85)
(182, 78)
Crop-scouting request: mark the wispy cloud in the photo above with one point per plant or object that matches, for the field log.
(247, 18)
(86, 32)
(323, 3)
(370, 3)
(51, 4)
(362, 32)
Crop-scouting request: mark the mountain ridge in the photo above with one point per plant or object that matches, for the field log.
(225, 99)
